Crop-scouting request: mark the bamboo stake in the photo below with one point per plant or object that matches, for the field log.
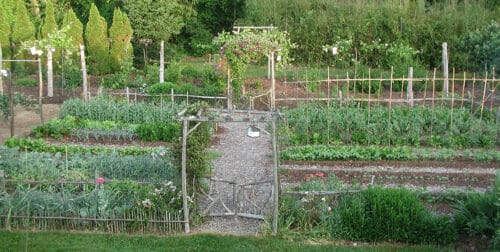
(369, 93)
(473, 93)
(452, 96)
(493, 89)
(463, 93)
(433, 96)
(484, 96)
(390, 98)
(425, 87)
(328, 106)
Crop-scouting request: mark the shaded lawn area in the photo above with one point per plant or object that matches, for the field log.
(65, 241)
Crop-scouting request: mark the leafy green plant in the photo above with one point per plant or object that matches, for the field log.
(26, 82)
(378, 214)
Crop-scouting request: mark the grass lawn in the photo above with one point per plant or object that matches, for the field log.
(68, 241)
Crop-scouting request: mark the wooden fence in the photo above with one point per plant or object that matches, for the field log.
(474, 92)
(148, 220)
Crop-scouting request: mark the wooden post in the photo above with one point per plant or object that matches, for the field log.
(11, 106)
(276, 180)
(185, 207)
(409, 91)
(40, 89)
(84, 72)
(1, 67)
(50, 73)
(229, 91)
(268, 67)
(2, 180)
(445, 69)
(172, 95)
(369, 92)
(162, 61)
(127, 93)
(273, 82)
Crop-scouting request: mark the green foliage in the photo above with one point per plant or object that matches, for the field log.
(75, 32)
(478, 215)
(26, 82)
(120, 34)
(325, 153)
(4, 33)
(156, 20)
(167, 132)
(56, 128)
(424, 27)
(39, 145)
(355, 124)
(482, 47)
(78, 166)
(97, 42)
(49, 24)
(249, 47)
(22, 28)
(398, 215)
(102, 109)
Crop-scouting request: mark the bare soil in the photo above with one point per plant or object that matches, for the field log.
(25, 119)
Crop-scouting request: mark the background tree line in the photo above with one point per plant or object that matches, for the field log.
(378, 33)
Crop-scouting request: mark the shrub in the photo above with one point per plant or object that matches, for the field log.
(395, 215)
(159, 131)
(479, 215)
(26, 82)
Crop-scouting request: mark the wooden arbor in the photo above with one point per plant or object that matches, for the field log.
(227, 116)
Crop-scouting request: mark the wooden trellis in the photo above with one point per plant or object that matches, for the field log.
(227, 116)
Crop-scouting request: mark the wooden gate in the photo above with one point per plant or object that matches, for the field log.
(227, 198)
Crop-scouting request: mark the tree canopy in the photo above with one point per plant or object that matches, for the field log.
(120, 35)
(155, 19)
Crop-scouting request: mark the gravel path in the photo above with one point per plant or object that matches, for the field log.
(242, 160)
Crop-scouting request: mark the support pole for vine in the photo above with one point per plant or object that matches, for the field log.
(162, 61)
(84, 72)
(273, 82)
(229, 91)
(185, 207)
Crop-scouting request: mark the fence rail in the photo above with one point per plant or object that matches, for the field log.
(147, 220)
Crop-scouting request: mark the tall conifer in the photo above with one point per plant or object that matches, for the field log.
(97, 42)
(120, 35)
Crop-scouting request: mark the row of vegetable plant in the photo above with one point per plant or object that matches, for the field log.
(354, 123)
(380, 214)
(40, 145)
(22, 165)
(109, 109)
(373, 153)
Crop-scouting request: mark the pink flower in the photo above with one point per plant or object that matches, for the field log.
(100, 181)
(319, 174)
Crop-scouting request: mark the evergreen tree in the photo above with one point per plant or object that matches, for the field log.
(22, 28)
(120, 34)
(4, 36)
(4, 30)
(49, 24)
(75, 32)
(97, 42)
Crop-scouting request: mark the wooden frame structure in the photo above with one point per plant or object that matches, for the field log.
(228, 116)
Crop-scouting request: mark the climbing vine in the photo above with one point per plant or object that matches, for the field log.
(241, 49)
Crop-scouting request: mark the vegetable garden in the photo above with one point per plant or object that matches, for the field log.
(59, 185)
